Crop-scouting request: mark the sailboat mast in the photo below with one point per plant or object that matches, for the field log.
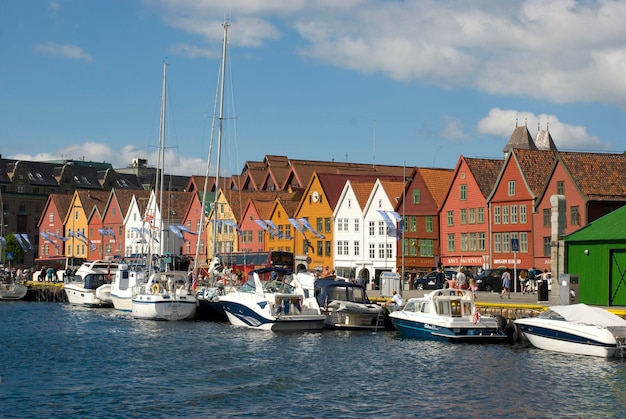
(219, 135)
(161, 162)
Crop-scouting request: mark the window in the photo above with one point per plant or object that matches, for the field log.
(429, 223)
(320, 225)
(450, 215)
(505, 214)
(472, 242)
(381, 250)
(410, 247)
(342, 247)
(381, 228)
(574, 216)
(464, 242)
(497, 243)
(523, 242)
(560, 187)
(327, 224)
(513, 214)
(357, 248)
(511, 188)
(481, 241)
(463, 216)
(357, 225)
(426, 248)
(472, 215)
(320, 247)
(372, 228)
(51, 217)
(327, 248)
(506, 243)
(546, 217)
(463, 193)
(546, 246)
(522, 214)
(496, 215)
(412, 223)
(260, 236)
(450, 242)
(481, 216)
(372, 250)
(388, 248)
(416, 196)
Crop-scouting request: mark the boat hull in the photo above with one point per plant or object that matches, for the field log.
(156, 307)
(243, 315)
(561, 337)
(13, 291)
(454, 333)
(122, 303)
(80, 296)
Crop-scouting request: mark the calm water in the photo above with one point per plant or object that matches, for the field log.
(62, 361)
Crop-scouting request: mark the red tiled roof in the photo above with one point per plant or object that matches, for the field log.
(600, 176)
(485, 172)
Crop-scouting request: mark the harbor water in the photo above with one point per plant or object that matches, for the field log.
(68, 362)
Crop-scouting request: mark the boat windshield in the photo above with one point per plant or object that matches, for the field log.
(550, 315)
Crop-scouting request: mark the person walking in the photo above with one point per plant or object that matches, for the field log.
(506, 284)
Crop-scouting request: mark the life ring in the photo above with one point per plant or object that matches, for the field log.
(155, 288)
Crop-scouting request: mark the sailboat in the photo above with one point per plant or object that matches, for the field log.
(209, 307)
(166, 295)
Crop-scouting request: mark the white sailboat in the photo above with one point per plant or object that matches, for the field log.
(166, 295)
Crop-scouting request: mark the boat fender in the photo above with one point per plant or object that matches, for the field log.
(501, 322)
(155, 288)
(512, 332)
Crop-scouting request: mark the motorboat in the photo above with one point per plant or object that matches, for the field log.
(345, 304)
(167, 295)
(576, 329)
(448, 315)
(81, 286)
(122, 284)
(12, 290)
(277, 304)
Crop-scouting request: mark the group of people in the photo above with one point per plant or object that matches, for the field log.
(528, 280)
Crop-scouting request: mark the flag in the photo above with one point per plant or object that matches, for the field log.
(306, 224)
(194, 282)
(177, 232)
(56, 236)
(21, 242)
(297, 225)
(233, 225)
(25, 237)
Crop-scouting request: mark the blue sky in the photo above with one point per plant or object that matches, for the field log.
(389, 82)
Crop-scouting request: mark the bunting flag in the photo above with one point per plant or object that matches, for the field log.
(186, 230)
(297, 225)
(273, 229)
(392, 230)
(56, 236)
(108, 232)
(306, 224)
(19, 239)
(85, 240)
(26, 241)
(262, 225)
(47, 238)
(174, 229)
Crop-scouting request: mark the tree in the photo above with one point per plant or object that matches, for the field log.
(14, 247)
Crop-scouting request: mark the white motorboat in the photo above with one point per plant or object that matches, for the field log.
(449, 315)
(166, 296)
(576, 329)
(13, 290)
(81, 287)
(124, 280)
(276, 305)
(345, 304)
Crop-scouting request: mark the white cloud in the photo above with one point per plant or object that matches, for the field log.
(566, 137)
(453, 130)
(530, 48)
(67, 51)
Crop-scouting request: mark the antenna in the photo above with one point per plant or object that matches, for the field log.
(374, 146)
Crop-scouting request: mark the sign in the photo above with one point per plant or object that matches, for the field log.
(308, 260)
(9, 256)
(515, 245)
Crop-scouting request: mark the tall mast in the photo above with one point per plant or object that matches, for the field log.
(219, 135)
(161, 162)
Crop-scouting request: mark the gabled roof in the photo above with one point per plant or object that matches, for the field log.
(124, 197)
(600, 176)
(437, 181)
(362, 189)
(93, 201)
(394, 191)
(520, 138)
(536, 167)
(176, 203)
(485, 172)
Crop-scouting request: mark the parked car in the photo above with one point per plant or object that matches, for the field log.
(490, 280)
(427, 282)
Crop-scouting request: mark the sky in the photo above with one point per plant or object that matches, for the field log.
(406, 83)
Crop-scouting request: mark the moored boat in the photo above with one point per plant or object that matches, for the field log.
(166, 296)
(576, 329)
(12, 290)
(81, 287)
(346, 305)
(277, 305)
(122, 284)
(448, 315)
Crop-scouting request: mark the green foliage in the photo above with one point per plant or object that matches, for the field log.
(13, 246)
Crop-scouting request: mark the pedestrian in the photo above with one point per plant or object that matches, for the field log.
(473, 287)
(461, 279)
(506, 283)
(396, 301)
(532, 280)
(439, 279)
(523, 280)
